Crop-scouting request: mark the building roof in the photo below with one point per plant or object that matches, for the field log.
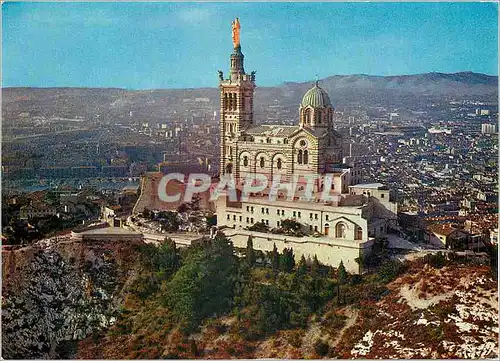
(131, 188)
(109, 231)
(441, 229)
(368, 186)
(285, 131)
(316, 97)
(273, 130)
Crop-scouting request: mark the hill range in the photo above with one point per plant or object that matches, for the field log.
(344, 90)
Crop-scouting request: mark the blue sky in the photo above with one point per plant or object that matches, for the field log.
(182, 45)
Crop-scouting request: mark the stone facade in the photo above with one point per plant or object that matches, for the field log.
(341, 228)
(310, 147)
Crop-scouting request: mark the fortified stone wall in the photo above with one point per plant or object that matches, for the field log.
(328, 253)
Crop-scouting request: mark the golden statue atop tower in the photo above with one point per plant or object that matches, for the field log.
(236, 32)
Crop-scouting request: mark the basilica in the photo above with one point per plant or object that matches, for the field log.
(342, 228)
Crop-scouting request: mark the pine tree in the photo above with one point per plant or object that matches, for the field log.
(315, 266)
(341, 273)
(302, 268)
(342, 279)
(275, 262)
(250, 254)
(193, 347)
(288, 260)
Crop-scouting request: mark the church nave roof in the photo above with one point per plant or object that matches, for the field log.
(272, 130)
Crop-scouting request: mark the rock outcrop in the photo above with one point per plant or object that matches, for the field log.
(55, 294)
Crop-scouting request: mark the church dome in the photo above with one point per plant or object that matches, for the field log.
(316, 97)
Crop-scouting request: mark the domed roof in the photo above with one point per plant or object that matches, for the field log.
(316, 97)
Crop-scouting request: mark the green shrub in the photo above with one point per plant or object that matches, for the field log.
(321, 348)
(204, 285)
(389, 270)
(437, 260)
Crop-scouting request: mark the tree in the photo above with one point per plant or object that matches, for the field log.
(363, 261)
(164, 260)
(315, 266)
(341, 273)
(244, 288)
(212, 220)
(204, 285)
(146, 213)
(291, 227)
(287, 260)
(390, 270)
(183, 208)
(342, 279)
(193, 348)
(259, 227)
(302, 267)
(170, 221)
(275, 259)
(321, 348)
(250, 254)
(290, 224)
(493, 252)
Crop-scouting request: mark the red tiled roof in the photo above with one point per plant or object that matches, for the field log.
(441, 229)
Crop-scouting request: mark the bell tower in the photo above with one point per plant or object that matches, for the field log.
(236, 105)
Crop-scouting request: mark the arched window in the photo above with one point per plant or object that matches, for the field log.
(278, 163)
(229, 168)
(262, 162)
(327, 229)
(317, 116)
(299, 157)
(340, 230)
(245, 161)
(306, 156)
(307, 116)
(359, 233)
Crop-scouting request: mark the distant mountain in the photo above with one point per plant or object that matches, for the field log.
(344, 90)
(429, 83)
(342, 87)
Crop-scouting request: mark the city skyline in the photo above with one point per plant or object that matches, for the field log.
(104, 44)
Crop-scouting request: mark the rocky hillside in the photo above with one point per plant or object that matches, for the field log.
(57, 293)
(119, 300)
(429, 313)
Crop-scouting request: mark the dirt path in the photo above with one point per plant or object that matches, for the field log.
(352, 316)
